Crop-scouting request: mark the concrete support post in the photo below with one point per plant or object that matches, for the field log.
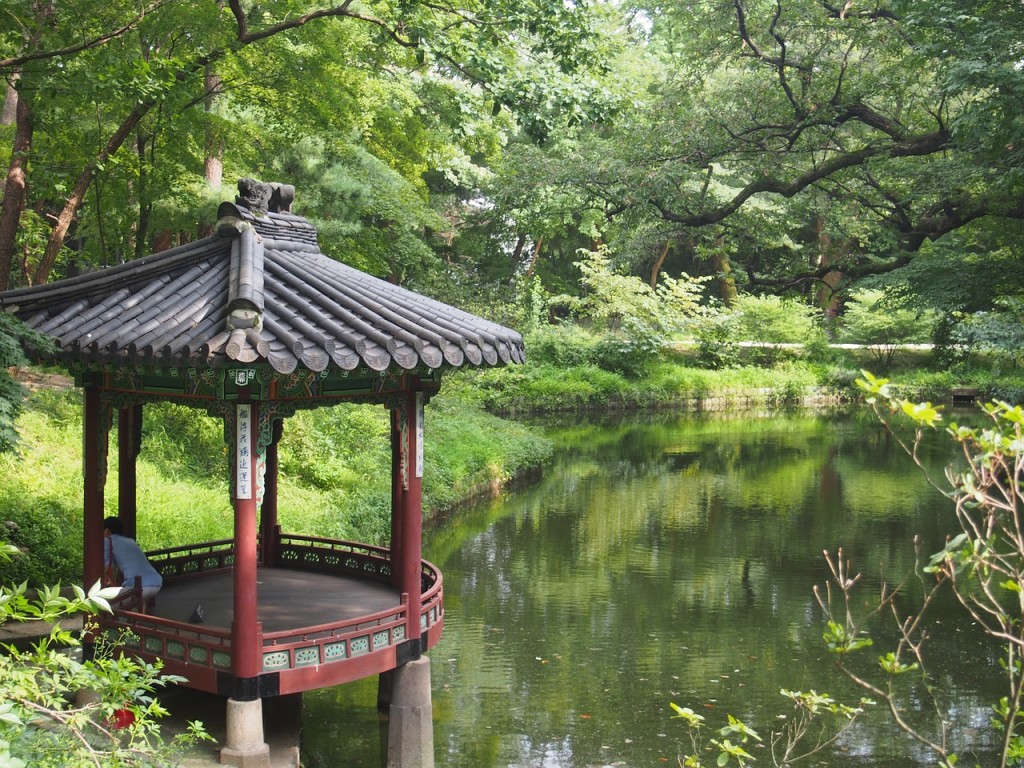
(385, 682)
(244, 744)
(411, 722)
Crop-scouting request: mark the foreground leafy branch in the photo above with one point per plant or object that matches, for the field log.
(815, 723)
(982, 564)
(59, 711)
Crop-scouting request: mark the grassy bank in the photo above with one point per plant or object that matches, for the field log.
(335, 463)
(544, 387)
(335, 476)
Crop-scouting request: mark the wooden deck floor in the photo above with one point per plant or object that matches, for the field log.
(288, 599)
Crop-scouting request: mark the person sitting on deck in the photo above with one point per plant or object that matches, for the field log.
(124, 553)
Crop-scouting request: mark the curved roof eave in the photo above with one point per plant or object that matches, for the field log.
(257, 292)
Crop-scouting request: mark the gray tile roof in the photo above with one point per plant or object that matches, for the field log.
(257, 291)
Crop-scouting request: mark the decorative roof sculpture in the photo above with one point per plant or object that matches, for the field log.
(257, 291)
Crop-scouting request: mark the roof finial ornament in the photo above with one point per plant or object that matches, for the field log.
(281, 198)
(262, 197)
(254, 195)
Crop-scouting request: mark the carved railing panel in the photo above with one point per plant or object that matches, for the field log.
(343, 558)
(207, 651)
(194, 559)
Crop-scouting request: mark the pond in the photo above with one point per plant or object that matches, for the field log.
(671, 560)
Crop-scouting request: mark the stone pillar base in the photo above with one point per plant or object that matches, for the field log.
(244, 745)
(411, 722)
(385, 682)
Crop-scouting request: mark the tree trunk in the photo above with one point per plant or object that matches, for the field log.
(659, 263)
(162, 241)
(9, 112)
(214, 161)
(828, 294)
(145, 206)
(725, 277)
(533, 256)
(517, 252)
(16, 186)
(74, 201)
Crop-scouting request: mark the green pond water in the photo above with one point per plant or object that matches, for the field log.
(670, 560)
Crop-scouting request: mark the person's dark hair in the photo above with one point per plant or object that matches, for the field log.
(113, 524)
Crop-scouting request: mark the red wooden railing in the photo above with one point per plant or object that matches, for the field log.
(305, 657)
(193, 559)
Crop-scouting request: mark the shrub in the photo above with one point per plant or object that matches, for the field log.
(867, 320)
(50, 538)
(776, 320)
(562, 345)
(998, 334)
(342, 446)
(818, 349)
(182, 439)
(627, 353)
(717, 345)
(43, 725)
(13, 333)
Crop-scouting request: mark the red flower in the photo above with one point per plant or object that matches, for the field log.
(123, 718)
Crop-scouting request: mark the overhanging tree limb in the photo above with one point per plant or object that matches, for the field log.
(16, 62)
(937, 220)
(85, 178)
(916, 146)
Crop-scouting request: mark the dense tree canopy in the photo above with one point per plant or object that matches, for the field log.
(121, 112)
(781, 145)
(804, 134)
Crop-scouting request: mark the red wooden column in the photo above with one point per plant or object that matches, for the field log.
(129, 442)
(245, 646)
(397, 497)
(244, 743)
(96, 434)
(410, 565)
(269, 531)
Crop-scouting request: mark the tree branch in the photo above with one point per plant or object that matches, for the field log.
(14, 62)
(245, 37)
(900, 146)
(878, 12)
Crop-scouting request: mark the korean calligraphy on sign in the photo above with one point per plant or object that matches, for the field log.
(243, 452)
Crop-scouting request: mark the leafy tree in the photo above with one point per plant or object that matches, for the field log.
(636, 320)
(824, 142)
(13, 334)
(974, 281)
(44, 721)
(868, 321)
(365, 212)
(997, 334)
(776, 320)
(87, 89)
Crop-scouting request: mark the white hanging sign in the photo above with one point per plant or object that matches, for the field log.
(419, 434)
(243, 452)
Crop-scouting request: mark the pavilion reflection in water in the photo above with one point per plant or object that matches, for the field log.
(251, 325)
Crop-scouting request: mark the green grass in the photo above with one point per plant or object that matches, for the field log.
(334, 481)
(540, 387)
